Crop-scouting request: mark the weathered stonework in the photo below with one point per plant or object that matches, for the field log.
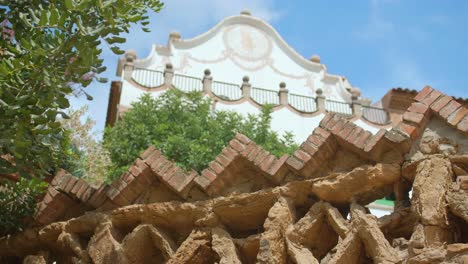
(251, 207)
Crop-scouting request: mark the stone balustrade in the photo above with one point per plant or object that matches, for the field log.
(245, 91)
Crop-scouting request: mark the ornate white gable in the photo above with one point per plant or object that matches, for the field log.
(247, 46)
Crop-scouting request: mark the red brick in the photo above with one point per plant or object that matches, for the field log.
(221, 159)
(362, 139)
(229, 153)
(144, 172)
(158, 163)
(118, 184)
(332, 122)
(169, 172)
(463, 125)
(176, 182)
(71, 183)
(338, 126)
(243, 139)
(236, 145)
(354, 135)
(316, 140)
(413, 117)
(203, 182)
(274, 168)
(322, 132)
(180, 181)
(98, 197)
(457, 116)
(62, 185)
(309, 148)
(431, 97)
(449, 109)
(440, 103)
(127, 177)
(408, 129)
(423, 93)
(260, 157)
(78, 186)
(52, 191)
(145, 154)
(248, 149)
(294, 163)
(152, 157)
(267, 162)
(61, 174)
(326, 119)
(87, 194)
(418, 107)
(209, 175)
(47, 198)
(82, 190)
(216, 167)
(302, 155)
(40, 208)
(348, 128)
(163, 167)
(253, 154)
(374, 140)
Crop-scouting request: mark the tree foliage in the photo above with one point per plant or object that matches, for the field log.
(17, 202)
(48, 48)
(87, 158)
(185, 129)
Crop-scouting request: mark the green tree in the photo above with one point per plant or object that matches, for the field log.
(18, 202)
(87, 158)
(50, 49)
(185, 129)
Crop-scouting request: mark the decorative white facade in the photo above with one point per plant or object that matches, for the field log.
(243, 63)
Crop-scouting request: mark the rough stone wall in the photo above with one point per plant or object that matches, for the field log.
(251, 207)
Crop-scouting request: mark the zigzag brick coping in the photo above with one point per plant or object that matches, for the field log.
(334, 131)
(291, 180)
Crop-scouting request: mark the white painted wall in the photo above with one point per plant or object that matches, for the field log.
(244, 45)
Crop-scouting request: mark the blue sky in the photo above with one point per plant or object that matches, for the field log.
(376, 44)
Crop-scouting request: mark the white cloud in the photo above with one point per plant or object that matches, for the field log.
(377, 26)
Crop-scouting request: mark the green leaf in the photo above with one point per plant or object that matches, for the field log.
(115, 39)
(44, 18)
(54, 16)
(117, 50)
(102, 80)
(68, 4)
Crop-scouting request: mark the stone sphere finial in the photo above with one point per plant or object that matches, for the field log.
(282, 85)
(207, 72)
(319, 91)
(130, 55)
(169, 66)
(354, 97)
(246, 79)
(174, 35)
(246, 12)
(315, 58)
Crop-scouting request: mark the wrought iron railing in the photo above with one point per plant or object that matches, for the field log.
(264, 96)
(302, 103)
(148, 78)
(375, 115)
(226, 91)
(187, 83)
(338, 107)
